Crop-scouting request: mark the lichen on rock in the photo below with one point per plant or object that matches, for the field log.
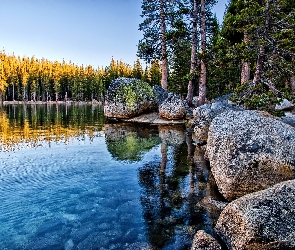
(261, 220)
(248, 152)
(173, 107)
(204, 241)
(128, 97)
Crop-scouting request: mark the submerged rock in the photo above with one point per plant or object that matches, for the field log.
(261, 220)
(139, 246)
(204, 241)
(128, 97)
(173, 107)
(248, 152)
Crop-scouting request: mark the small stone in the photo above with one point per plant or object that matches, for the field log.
(161, 94)
(285, 105)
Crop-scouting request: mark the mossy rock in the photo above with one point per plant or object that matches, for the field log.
(129, 97)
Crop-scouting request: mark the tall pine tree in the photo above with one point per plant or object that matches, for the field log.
(157, 16)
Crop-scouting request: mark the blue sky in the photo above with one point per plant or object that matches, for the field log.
(86, 32)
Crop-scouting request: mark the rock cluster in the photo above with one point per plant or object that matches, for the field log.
(251, 155)
(127, 98)
(252, 159)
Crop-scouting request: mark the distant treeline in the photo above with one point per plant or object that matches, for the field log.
(32, 79)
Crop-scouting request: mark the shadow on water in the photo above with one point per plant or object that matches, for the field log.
(148, 188)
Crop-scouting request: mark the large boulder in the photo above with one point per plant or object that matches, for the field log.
(262, 220)
(248, 152)
(204, 115)
(128, 97)
(172, 108)
(204, 241)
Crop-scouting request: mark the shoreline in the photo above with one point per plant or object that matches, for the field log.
(51, 102)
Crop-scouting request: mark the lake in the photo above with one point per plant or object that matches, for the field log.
(70, 179)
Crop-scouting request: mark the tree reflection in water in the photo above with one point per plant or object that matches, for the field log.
(174, 188)
(176, 184)
(29, 125)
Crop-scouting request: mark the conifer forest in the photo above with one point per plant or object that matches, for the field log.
(186, 51)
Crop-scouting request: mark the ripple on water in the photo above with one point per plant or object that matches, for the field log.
(69, 197)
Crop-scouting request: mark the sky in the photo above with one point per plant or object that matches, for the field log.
(88, 32)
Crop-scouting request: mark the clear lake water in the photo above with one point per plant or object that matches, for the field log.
(70, 179)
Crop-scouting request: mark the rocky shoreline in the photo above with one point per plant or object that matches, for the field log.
(252, 159)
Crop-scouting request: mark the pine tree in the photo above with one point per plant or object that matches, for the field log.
(137, 71)
(245, 73)
(270, 25)
(155, 73)
(3, 75)
(155, 26)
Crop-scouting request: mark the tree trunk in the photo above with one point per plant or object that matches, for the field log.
(245, 74)
(13, 91)
(164, 49)
(24, 94)
(260, 56)
(292, 83)
(34, 96)
(259, 63)
(203, 76)
(190, 88)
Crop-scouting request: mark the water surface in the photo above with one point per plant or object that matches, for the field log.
(68, 180)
